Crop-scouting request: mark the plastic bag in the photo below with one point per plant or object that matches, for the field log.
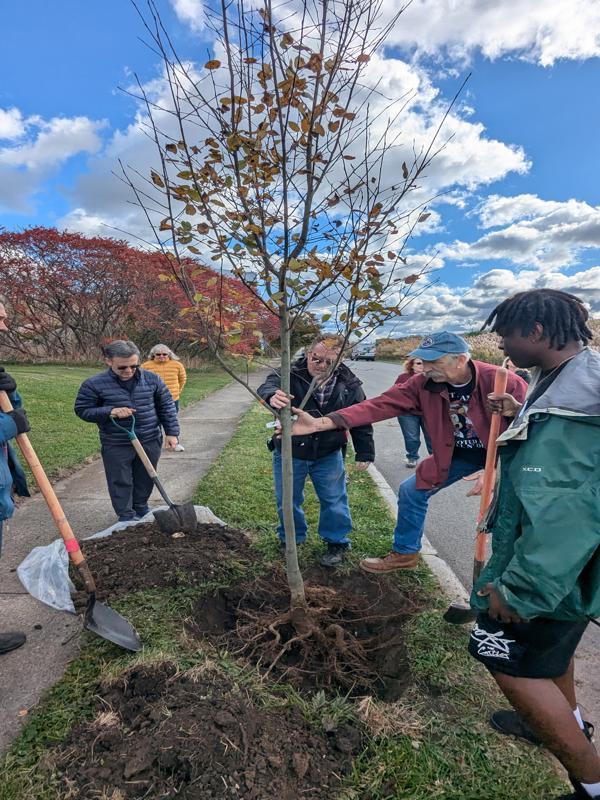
(45, 571)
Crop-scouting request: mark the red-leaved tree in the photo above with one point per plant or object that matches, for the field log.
(68, 293)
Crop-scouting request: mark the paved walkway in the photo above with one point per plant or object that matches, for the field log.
(207, 426)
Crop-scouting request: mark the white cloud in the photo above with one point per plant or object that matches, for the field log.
(55, 142)
(468, 159)
(36, 148)
(11, 123)
(191, 12)
(545, 234)
(464, 308)
(541, 32)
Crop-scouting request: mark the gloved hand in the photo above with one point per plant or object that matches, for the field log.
(7, 382)
(20, 419)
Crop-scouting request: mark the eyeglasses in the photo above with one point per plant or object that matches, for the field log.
(123, 369)
(161, 354)
(316, 360)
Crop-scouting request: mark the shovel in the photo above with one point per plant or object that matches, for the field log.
(458, 614)
(98, 618)
(176, 517)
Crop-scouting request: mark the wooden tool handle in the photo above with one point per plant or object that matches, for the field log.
(144, 458)
(489, 474)
(51, 499)
(489, 470)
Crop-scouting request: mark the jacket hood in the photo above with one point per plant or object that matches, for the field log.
(576, 389)
(574, 393)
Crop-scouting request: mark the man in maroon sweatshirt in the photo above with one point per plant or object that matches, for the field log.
(451, 394)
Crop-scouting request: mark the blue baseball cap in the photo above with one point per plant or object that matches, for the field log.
(440, 344)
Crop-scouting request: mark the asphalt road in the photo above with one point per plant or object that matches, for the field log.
(450, 525)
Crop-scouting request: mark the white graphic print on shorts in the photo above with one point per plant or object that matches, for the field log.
(492, 645)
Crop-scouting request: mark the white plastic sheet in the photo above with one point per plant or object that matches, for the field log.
(45, 571)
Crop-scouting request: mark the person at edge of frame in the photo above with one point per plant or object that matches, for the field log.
(541, 586)
(12, 477)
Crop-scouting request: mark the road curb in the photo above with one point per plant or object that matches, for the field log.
(444, 574)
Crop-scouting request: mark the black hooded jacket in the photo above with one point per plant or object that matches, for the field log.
(346, 392)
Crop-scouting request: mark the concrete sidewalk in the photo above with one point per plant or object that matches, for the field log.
(207, 426)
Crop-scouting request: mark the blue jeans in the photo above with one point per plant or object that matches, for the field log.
(412, 425)
(413, 504)
(328, 476)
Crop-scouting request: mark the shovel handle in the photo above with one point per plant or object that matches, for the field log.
(65, 530)
(143, 456)
(489, 473)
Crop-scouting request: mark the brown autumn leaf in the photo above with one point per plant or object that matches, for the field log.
(424, 216)
(391, 255)
(157, 180)
(404, 170)
(411, 279)
(212, 64)
(171, 148)
(333, 126)
(363, 58)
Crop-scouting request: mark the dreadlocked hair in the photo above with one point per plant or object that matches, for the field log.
(562, 315)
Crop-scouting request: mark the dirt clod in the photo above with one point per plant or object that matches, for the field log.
(142, 557)
(164, 734)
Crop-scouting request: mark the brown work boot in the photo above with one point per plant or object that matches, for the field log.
(390, 562)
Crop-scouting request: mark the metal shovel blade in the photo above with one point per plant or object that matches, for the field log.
(105, 622)
(459, 615)
(177, 518)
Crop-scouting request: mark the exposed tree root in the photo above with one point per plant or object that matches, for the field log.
(331, 639)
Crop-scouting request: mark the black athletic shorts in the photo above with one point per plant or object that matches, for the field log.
(541, 648)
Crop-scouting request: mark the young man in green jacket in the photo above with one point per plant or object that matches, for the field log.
(542, 583)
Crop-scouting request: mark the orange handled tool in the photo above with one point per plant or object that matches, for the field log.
(98, 617)
(458, 614)
(489, 474)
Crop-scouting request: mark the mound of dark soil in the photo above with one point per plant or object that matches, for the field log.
(353, 641)
(141, 557)
(196, 736)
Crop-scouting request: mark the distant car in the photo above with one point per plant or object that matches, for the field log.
(364, 352)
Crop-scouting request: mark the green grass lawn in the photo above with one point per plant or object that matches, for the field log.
(433, 743)
(60, 438)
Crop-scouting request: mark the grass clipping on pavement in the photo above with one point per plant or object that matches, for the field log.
(434, 742)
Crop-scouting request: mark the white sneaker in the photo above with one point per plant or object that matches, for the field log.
(179, 448)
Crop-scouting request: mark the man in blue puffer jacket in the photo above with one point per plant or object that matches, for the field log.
(11, 474)
(126, 391)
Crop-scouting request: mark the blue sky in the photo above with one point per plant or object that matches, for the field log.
(524, 210)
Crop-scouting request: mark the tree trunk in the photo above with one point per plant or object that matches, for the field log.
(294, 576)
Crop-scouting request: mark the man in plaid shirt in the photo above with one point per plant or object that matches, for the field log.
(321, 456)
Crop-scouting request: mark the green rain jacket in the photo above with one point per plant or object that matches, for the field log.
(545, 517)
